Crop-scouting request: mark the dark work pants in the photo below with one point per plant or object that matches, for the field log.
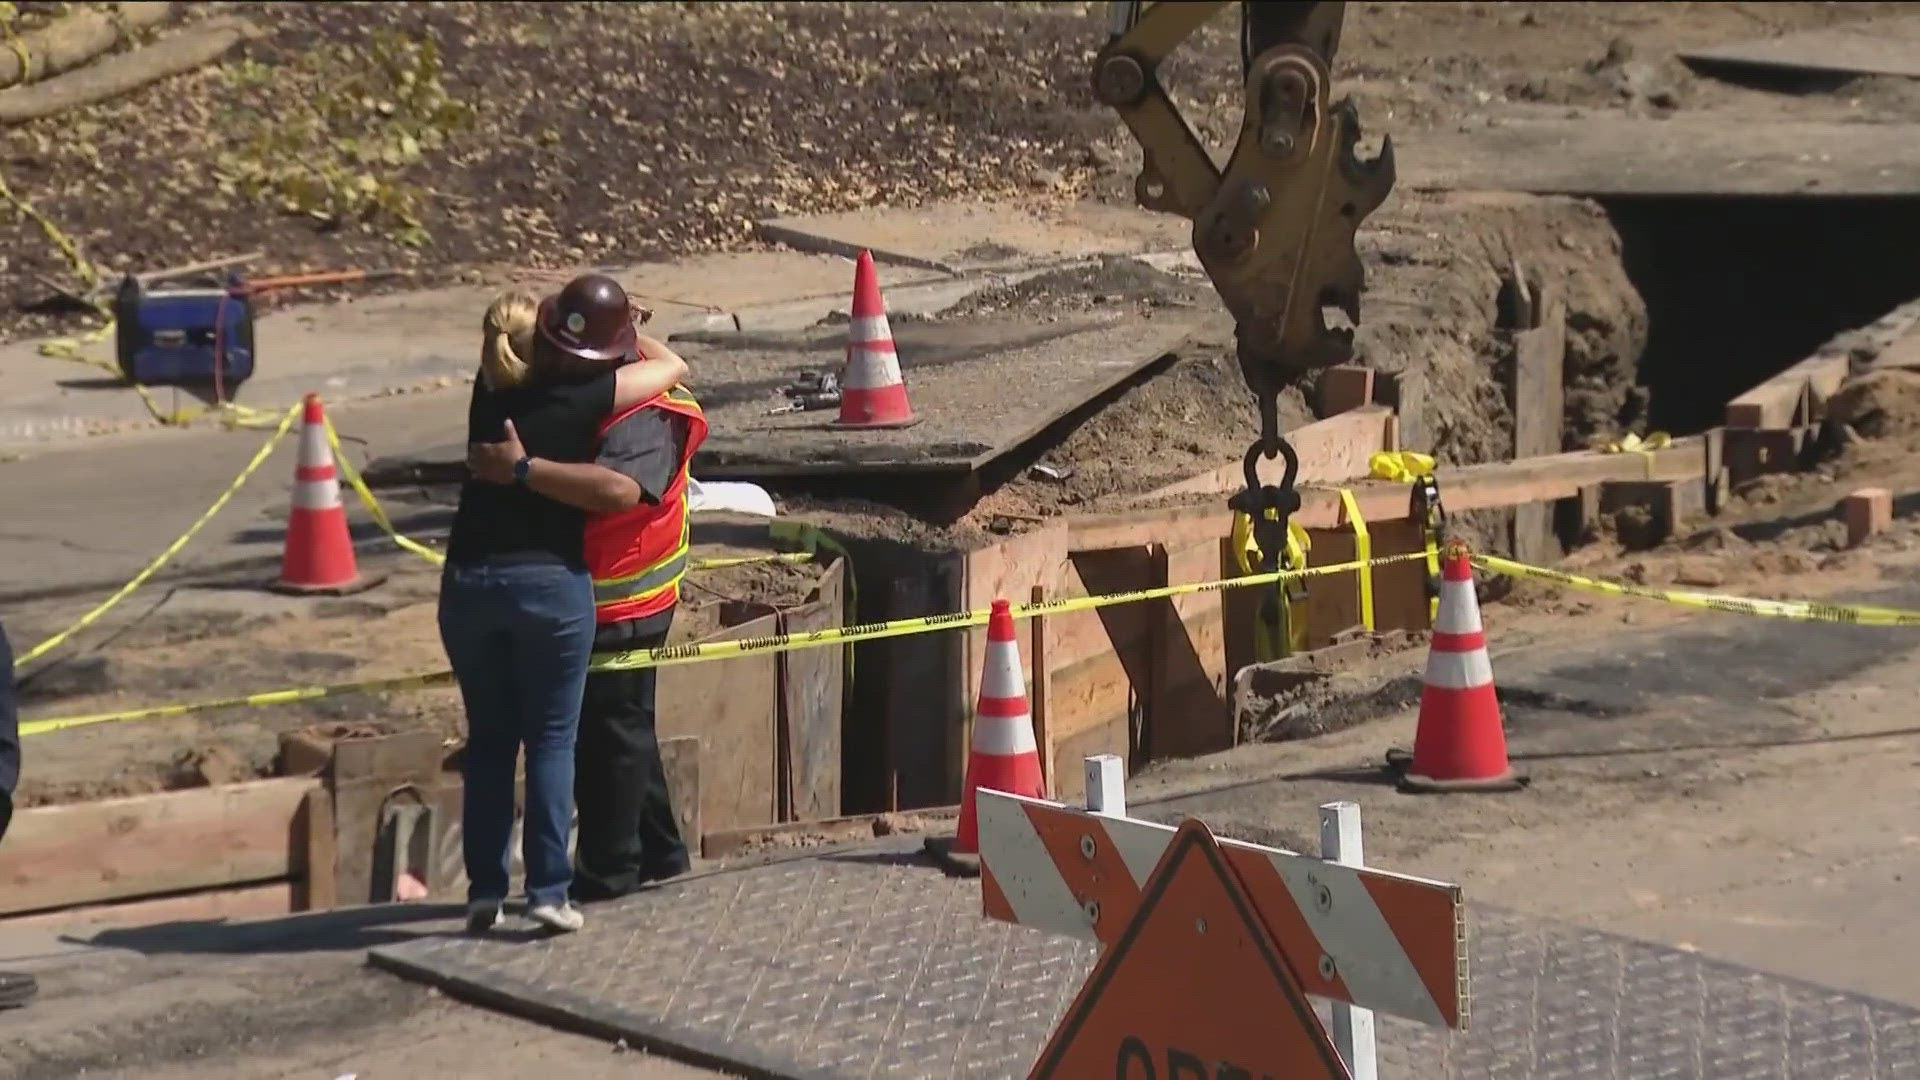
(628, 834)
(9, 735)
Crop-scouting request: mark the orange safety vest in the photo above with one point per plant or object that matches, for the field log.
(638, 556)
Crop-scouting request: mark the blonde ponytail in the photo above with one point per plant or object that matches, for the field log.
(507, 339)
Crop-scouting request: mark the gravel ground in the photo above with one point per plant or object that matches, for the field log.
(461, 138)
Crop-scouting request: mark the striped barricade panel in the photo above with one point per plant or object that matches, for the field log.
(1377, 940)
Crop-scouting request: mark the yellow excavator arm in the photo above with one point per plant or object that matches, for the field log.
(1275, 228)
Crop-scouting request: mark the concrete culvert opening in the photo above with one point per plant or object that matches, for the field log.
(1739, 289)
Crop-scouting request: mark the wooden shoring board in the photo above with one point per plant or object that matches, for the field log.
(143, 845)
(1873, 47)
(1472, 487)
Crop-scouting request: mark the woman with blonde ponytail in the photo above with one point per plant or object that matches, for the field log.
(516, 599)
(506, 339)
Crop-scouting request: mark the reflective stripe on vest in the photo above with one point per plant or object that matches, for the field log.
(639, 556)
(647, 582)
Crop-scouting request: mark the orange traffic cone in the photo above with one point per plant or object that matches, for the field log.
(1004, 756)
(1460, 744)
(872, 393)
(319, 554)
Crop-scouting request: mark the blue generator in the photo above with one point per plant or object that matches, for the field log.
(184, 337)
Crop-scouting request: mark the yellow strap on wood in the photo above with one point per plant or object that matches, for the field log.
(1362, 553)
(1246, 558)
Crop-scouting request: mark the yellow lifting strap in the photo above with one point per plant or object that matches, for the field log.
(1407, 467)
(1271, 642)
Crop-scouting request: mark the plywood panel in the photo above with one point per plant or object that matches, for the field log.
(1097, 676)
(1331, 450)
(1091, 693)
(731, 707)
(811, 682)
(1108, 738)
(115, 849)
(1399, 595)
(1189, 714)
(1082, 635)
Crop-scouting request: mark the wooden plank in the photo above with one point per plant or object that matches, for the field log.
(922, 694)
(1097, 677)
(1510, 483)
(318, 890)
(1141, 528)
(1342, 389)
(1043, 688)
(1602, 154)
(1111, 737)
(1082, 635)
(1338, 448)
(811, 688)
(59, 856)
(1092, 693)
(1399, 590)
(1794, 396)
(732, 708)
(1539, 360)
(1188, 713)
(215, 905)
(1872, 47)
(680, 756)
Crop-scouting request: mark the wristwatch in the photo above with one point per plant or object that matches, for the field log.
(520, 470)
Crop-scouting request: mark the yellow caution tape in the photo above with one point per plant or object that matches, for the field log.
(1802, 610)
(374, 509)
(1363, 554)
(1400, 466)
(259, 458)
(716, 650)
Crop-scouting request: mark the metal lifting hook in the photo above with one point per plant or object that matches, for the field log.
(1270, 506)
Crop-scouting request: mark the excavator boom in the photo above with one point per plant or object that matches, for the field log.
(1275, 227)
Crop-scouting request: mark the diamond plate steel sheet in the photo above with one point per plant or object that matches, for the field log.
(867, 965)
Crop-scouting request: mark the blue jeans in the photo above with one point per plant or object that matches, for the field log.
(519, 637)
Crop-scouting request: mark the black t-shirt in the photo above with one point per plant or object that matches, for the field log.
(558, 420)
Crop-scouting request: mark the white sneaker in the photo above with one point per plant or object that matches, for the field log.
(482, 915)
(560, 918)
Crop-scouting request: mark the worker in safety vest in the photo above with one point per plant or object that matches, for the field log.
(629, 836)
(636, 541)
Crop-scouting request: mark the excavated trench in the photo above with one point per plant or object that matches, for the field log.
(1738, 289)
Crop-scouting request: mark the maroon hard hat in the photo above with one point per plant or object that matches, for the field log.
(589, 319)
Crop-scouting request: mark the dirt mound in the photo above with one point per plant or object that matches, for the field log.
(1880, 404)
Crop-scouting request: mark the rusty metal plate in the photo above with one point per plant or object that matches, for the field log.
(866, 964)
